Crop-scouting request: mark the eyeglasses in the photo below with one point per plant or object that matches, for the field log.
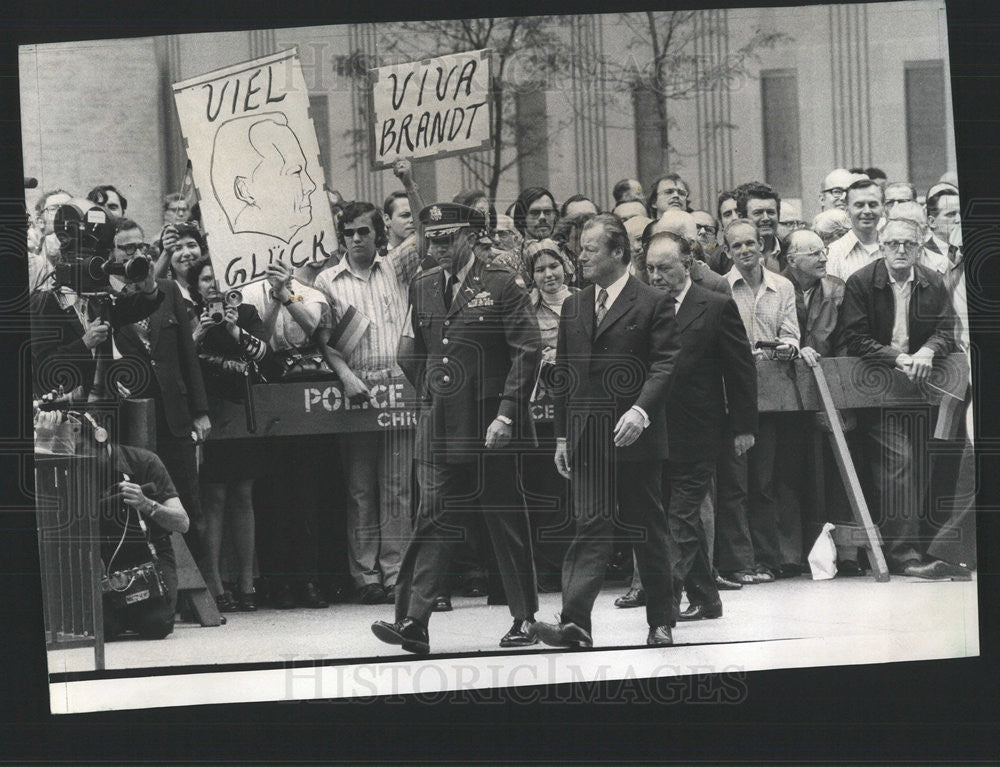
(808, 253)
(177, 208)
(836, 191)
(908, 245)
(361, 231)
(132, 248)
(542, 212)
(707, 229)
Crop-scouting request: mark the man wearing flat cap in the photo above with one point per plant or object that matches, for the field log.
(473, 357)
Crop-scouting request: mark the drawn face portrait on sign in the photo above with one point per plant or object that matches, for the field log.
(260, 176)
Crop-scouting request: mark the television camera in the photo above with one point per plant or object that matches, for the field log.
(86, 235)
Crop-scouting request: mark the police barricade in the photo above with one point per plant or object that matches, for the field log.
(320, 407)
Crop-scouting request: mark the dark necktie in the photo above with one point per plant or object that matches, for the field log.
(449, 290)
(602, 310)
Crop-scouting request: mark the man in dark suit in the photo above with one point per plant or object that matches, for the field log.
(163, 349)
(685, 226)
(715, 368)
(908, 340)
(473, 356)
(617, 348)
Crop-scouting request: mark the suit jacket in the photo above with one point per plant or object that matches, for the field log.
(868, 313)
(818, 321)
(176, 383)
(58, 354)
(629, 360)
(702, 274)
(472, 362)
(715, 365)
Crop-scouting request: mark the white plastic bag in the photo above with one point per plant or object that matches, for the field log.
(823, 555)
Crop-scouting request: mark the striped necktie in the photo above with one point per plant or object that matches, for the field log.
(602, 310)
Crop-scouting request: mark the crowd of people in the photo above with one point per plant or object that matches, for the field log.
(643, 324)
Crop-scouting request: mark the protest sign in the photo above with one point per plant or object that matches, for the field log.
(256, 166)
(431, 108)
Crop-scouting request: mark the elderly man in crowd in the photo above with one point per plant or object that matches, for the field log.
(833, 190)
(702, 420)
(831, 225)
(897, 192)
(859, 246)
(712, 251)
(899, 314)
(683, 225)
(818, 297)
(766, 301)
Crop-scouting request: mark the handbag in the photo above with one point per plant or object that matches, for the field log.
(133, 585)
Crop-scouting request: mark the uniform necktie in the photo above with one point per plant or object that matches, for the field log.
(602, 310)
(449, 290)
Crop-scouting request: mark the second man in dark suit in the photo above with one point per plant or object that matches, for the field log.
(715, 368)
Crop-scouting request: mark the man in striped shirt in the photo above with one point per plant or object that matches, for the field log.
(368, 295)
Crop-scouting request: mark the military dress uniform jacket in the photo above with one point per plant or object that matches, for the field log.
(472, 362)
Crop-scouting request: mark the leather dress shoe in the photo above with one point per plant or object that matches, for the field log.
(442, 604)
(701, 612)
(632, 598)
(938, 570)
(562, 634)
(371, 594)
(246, 601)
(763, 574)
(659, 636)
(726, 584)
(520, 634)
(309, 596)
(390, 595)
(409, 634)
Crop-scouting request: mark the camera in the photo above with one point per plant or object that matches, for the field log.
(86, 235)
(217, 305)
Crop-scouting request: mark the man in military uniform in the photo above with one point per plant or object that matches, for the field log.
(473, 357)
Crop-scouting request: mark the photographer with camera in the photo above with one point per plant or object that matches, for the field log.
(228, 337)
(73, 322)
(140, 511)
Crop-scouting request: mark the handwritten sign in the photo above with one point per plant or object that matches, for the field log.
(431, 108)
(256, 166)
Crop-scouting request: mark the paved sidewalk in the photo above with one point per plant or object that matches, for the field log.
(905, 617)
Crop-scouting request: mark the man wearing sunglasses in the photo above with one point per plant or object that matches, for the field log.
(473, 358)
(377, 465)
(899, 313)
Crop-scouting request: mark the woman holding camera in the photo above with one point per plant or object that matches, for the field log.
(229, 339)
(183, 245)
